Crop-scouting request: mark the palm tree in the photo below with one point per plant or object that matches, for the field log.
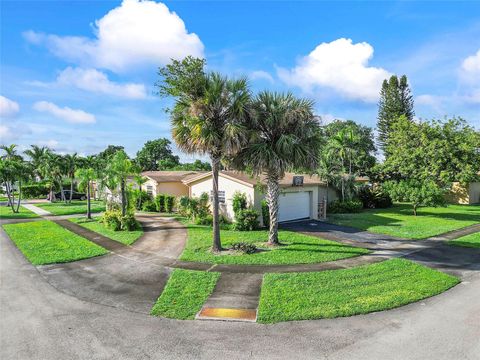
(36, 154)
(85, 177)
(140, 180)
(52, 169)
(284, 136)
(71, 164)
(211, 123)
(118, 170)
(13, 169)
(344, 145)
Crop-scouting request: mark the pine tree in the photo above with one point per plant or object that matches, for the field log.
(396, 100)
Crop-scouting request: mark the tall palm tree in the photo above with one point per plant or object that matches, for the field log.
(36, 154)
(284, 136)
(86, 176)
(210, 122)
(13, 170)
(71, 165)
(118, 170)
(344, 145)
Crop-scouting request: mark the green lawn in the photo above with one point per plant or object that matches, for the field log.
(44, 242)
(185, 293)
(336, 293)
(76, 207)
(399, 220)
(472, 240)
(7, 213)
(125, 237)
(296, 249)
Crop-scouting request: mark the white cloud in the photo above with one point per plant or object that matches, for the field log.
(339, 65)
(8, 108)
(432, 101)
(98, 82)
(261, 75)
(4, 132)
(48, 143)
(329, 118)
(133, 34)
(65, 113)
(470, 78)
(471, 65)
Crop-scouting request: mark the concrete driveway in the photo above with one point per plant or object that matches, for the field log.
(39, 322)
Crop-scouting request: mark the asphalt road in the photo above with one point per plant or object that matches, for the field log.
(39, 322)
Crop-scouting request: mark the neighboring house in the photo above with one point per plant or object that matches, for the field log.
(300, 195)
(168, 182)
(464, 194)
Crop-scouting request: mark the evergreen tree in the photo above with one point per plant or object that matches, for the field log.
(396, 100)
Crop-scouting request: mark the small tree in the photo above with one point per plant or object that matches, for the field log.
(119, 169)
(86, 176)
(417, 192)
(239, 202)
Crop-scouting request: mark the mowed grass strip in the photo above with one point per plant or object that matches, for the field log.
(124, 237)
(295, 249)
(185, 293)
(472, 240)
(336, 293)
(76, 207)
(44, 242)
(399, 220)
(7, 213)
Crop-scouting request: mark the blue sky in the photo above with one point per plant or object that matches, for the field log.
(77, 76)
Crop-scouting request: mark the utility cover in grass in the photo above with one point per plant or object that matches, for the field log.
(185, 293)
(335, 293)
(45, 242)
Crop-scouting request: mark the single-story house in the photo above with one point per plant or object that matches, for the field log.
(300, 195)
(464, 194)
(168, 182)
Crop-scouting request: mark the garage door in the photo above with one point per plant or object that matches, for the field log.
(293, 206)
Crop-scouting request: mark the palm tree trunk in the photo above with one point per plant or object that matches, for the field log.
(19, 195)
(124, 200)
(71, 190)
(9, 195)
(89, 213)
(272, 199)
(217, 245)
(61, 192)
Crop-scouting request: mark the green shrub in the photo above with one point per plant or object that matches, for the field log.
(139, 198)
(129, 223)
(116, 222)
(246, 220)
(374, 197)
(169, 201)
(194, 208)
(149, 205)
(112, 219)
(342, 207)
(265, 214)
(31, 191)
(160, 202)
(239, 201)
(244, 247)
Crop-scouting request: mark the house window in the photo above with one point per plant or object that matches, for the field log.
(221, 196)
(150, 190)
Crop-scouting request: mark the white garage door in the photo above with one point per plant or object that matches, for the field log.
(295, 205)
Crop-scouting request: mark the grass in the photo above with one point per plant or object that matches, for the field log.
(336, 293)
(472, 240)
(399, 220)
(76, 207)
(185, 293)
(124, 237)
(44, 242)
(295, 249)
(7, 213)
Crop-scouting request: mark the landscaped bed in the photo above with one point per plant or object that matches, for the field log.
(399, 220)
(44, 242)
(295, 249)
(185, 294)
(76, 207)
(336, 293)
(7, 213)
(125, 237)
(472, 240)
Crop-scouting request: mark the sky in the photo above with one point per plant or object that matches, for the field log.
(78, 75)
